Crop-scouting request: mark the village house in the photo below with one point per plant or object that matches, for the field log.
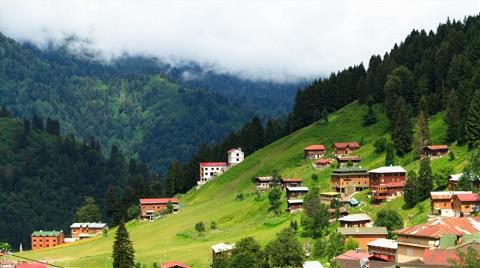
(347, 181)
(315, 151)
(263, 183)
(294, 205)
(343, 160)
(442, 202)
(434, 151)
(209, 170)
(327, 197)
(46, 239)
(386, 183)
(352, 259)
(322, 163)
(355, 220)
(454, 178)
(221, 249)
(414, 240)
(291, 182)
(332, 213)
(81, 230)
(295, 192)
(151, 207)
(173, 264)
(465, 204)
(384, 249)
(363, 235)
(344, 148)
(235, 156)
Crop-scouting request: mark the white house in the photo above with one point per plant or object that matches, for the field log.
(209, 170)
(235, 156)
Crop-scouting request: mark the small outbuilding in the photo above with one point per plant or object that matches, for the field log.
(314, 151)
(435, 150)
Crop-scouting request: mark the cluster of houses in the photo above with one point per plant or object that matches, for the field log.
(210, 170)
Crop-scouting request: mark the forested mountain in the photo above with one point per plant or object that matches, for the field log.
(44, 178)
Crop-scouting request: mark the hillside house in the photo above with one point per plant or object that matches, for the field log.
(434, 151)
(322, 163)
(343, 160)
(465, 204)
(442, 202)
(355, 220)
(150, 207)
(386, 183)
(294, 205)
(384, 249)
(46, 239)
(291, 182)
(209, 170)
(332, 213)
(314, 151)
(363, 235)
(263, 183)
(221, 249)
(327, 197)
(295, 192)
(347, 181)
(235, 156)
(453, 180)
(345, 148)
(414, 240)
(83, 230)
(173, 264)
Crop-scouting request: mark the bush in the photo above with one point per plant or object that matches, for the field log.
(380, 145)
(314, 177)
(451, 156)
(133, 212)
(213, 225)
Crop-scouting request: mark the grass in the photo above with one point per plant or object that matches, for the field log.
(174, 238)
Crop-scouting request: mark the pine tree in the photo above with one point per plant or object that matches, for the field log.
(37, 123)
(453, 117)
(324, 114)
(407, 85)
(53, 127)
(392, 91)
(402, 129)
(472, 127)
(423, 135)
(411, 189)
(390, 155)
(423, 105)
(4, 112)
(369, 118)
(123, 252)
(425, 179)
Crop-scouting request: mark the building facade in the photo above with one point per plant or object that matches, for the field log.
(464, 204)
(347, 181)
(345, 148)
(209, 170)
(294, 205)
(314, 151)
(384, 249)
(82, 230)
(363, 235)
(235, 156)
(46, 239)
(263, 183)
(386, 182)
(355, 220)
(296, 192)
(150, 207)
(435, 150)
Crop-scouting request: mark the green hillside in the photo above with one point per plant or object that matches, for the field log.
(174, 238)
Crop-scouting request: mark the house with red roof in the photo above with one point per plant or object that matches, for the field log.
(386, 182)
(434, 151)
(465, 204)
(353, 258)
(344, 148)
(414, 240)
(442, 202)
(30, 265)
(150, 207)
(384, 249)
(174, 264)
(314, 151)
(322, 163)
(209, 170)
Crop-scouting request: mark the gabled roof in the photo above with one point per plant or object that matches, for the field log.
(93, 225)
(145, 201)
(171, 264)
(355, 217)
(341, 145)
(315, 147)
(446, 195)
(437, 147)
(388, 169)
(264, 178)
(362, 230)
(222, 247)
(297, 189)
(46, 233)
(384, 243)
(323, 161)
(349, 158)
(472, 197)
(352, 255)
(213, 164)
(436, 229)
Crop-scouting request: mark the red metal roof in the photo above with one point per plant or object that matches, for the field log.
(172, 264)
(437, 147)
(468, 197)
(437, 228)
(351, 144)
(352, 255)
(323, 161)
(315, 147)
(439, 256)
(145, 201)
(31, 265)
(213, 164)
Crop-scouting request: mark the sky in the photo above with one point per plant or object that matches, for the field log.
(275, 40)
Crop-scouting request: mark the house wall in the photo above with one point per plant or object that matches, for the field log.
(410, 251)
(363, 240)
(309, 154)
(439, 204)
(463, 207)
(77, 231)
(342, 183)
(354, 224)
(40, 242)
(235, 157)
(155, 207)
(208, 173)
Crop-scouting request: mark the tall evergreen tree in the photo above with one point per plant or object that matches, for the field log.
(53, 127)
(407, 83)
(472, 127)
(123, 252)
(390, 155)
(423, 134)
(402, 129)
(453, 117)
(4, 112)
(37, 123)
(392, 91)
(425, 179)
(411, 190)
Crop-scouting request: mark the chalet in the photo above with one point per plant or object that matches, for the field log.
(465, 204)
(363, 235)
(435, 150)
(315, 151)
(235, 156)
(209, 170)
(347, 181)
(263, 183)
(384, 249)
(332, 213)
(173, 264)
(442, 202)
(454, 178)
(344, 148)
(46, 239)
(355, 220)
(414, 240)
(150, 207)
(292, 182)
(83, 230)
(327, 197)
(294, 205)
(322, 162)
(221, 249)
(295, 192)
(386, 183)
(343, 160)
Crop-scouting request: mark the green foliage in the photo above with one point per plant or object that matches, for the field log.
(471, 173)
(335, 245)
(285, 250)
(4, 247)
(390, 219)
(123, 252)
(89, 212)
(274, 198)
(380, 145)
(390, 155)
(351, 244)
(200, 227)
(472, 126)
(315, 218)
(293, 225)
(425, 179)
(133, 211)
(247, 253)
(452, 118)
(422, 137)
(402, 129)
(392, 92)
(314, 177)
(412, 189)
(466, 259)
(213, 225)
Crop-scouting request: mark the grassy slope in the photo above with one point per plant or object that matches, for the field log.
(173, 237)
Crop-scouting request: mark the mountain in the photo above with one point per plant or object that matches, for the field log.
(174, 236)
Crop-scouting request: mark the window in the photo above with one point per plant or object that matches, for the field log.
(238, 154)
(238, 159)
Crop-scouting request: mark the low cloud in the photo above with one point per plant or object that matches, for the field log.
(274, 40)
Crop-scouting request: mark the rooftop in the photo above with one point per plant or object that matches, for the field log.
(348, 158)
(388, 169)
(355, 217)
(292, 180)
(315, 147)
(439, 256)
(213, 164)
(353, 255)
(351, 144)
(93, 225)
(295, 201)
(173, 264)
(330, 193)
(446, 195)
(455, 177)
(362, 230)
(145, 201)
(384, 243)
(222, 247)
(470, 197)
(297, 189)
(437, 147)
(323, 161)
(265, 178)
(46, 233)
(234, 149)
(440, 227)
(350, 170)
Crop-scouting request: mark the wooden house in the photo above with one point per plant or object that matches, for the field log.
(296, 192)
(149, 207)
(465, 204)
(347, 181)
(83, 230)
(454, 178)
(363, 235)
(173, 264)
(291, 182)
(322, 163)
(386, 182)
(355, 220)
(442, 202)
(327, 197)
(221, 249)
(435, 150)
(343, 160)
(46, 239)
(314, 151)
(345, 148)
(263, 183)
(383, 249)
(294, 205)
